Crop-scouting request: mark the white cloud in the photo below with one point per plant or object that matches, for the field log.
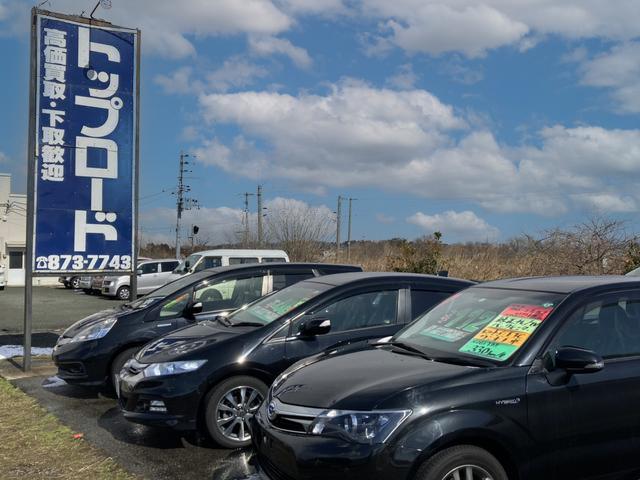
(618, 70)
(307, 7)
(168, 26)
(456, 226)
(384, 218)
(404, 79)
(4, 158)
(409, 141)
(607, 203)
(268, 45)
(235, 72)
(473, 28)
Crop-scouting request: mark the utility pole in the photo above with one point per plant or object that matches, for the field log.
(338, 220)
(246, 218)
(349, 231)
(182, 203)
(260, 233)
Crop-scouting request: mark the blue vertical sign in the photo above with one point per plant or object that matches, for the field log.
(85, 140)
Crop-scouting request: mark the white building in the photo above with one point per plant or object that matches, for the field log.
(13, 233)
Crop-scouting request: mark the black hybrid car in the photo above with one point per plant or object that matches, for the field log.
(93, 350)
(522, 379)
(215, 374)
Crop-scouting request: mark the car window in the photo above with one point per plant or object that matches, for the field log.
(242, 260)
(208, 262)
(169, 266)
(228, 293)
(273, 259)
(423, 300)
(282, 280)
(175, 306)
(148, 268)
(610, 327)
(361, 311)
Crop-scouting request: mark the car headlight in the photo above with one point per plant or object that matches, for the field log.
(172, 368)
(362, 427)
(94, 331)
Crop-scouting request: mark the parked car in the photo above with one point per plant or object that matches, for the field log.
(199, 261)
(93, 350)
(152, 274)
(91, 285)
(218, 372)
(70, 281)
(522, 379)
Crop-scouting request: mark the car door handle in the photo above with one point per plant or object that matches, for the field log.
(163, 325)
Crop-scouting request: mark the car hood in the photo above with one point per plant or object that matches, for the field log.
(198, 337)
(363, 380)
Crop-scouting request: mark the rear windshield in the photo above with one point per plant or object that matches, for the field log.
(491, 324)
(270, 308)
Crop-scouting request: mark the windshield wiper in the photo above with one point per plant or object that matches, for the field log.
(223, 320)
(246, 324)
(407, 348)
(464, 361)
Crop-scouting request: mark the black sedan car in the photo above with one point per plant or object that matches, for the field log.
(522, 379)
(92, 351)
(216, 373)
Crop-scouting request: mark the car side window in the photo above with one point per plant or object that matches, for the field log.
(362, 310)
(169, 266)
(273, 259)
(175, 306)
(282, 280)
(148, 268)
(228, 293)
(423, 300)
(610, 327)
(208, 262)
(242, 260)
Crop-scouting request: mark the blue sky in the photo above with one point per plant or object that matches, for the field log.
(480, 119)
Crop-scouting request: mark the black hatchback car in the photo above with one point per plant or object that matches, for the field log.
(93, 350)
(216, 373)
(522, 379)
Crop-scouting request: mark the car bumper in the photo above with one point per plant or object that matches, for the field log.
(109, 290)
(290, 456)
(170, 401)
(81, 363)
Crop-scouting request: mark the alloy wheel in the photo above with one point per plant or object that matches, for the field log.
(468, 472)
(234, 411)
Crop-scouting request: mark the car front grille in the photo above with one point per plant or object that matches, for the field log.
(291, 418)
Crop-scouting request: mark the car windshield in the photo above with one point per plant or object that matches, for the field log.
(268, 309)
(482, 323)
(141, 303)
(179, 284)
(187, 264)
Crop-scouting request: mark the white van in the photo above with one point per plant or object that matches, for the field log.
(222, 258)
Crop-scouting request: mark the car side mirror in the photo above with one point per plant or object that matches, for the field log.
(574, 360)
(139, 272)
(315, 326)
(194, 309)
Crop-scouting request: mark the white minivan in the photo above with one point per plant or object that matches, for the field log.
(224, 257)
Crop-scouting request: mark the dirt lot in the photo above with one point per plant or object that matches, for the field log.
(150, 453)
(53, 308)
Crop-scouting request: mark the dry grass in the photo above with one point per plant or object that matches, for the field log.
(35, 445)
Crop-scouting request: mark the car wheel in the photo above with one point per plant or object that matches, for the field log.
(75, 283)
(229, 409)
(118, 363)
(462, 462)
(87, 291)
(123, 293)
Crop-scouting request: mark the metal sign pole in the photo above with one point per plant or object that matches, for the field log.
(136, 178)
(31, 167)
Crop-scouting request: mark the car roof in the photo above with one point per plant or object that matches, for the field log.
(350, 277)
(242, 252)
(564, 284)
(285, 265)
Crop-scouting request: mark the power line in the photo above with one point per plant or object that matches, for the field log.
(183, 203)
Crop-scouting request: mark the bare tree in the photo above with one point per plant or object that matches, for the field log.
(298, 228)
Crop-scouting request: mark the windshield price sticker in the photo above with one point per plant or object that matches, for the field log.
(505, 334)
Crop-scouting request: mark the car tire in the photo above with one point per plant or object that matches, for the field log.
(118, 363)
(75, 283)
(87, 291)
(123, 293)
(227, 415)
(443, 465)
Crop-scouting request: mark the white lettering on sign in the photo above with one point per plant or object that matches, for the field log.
(103, 99)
